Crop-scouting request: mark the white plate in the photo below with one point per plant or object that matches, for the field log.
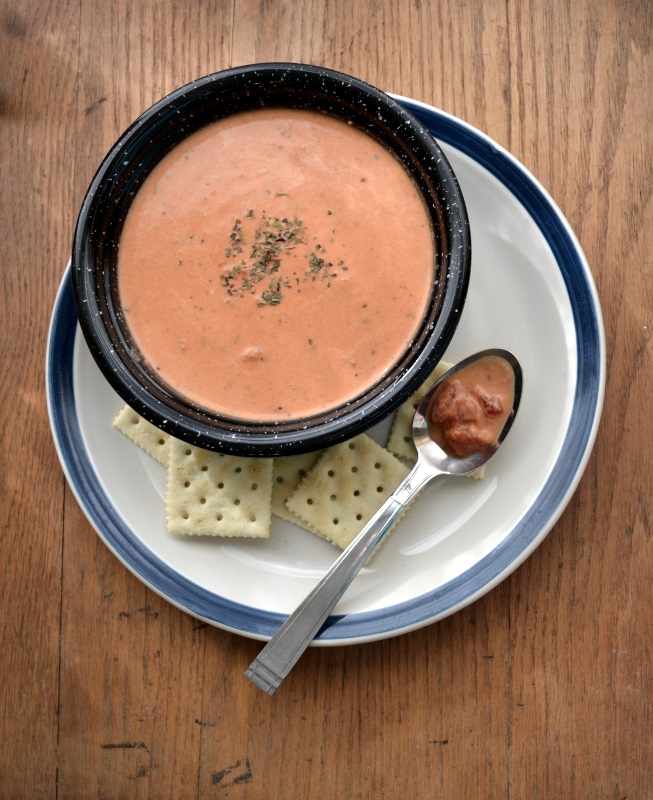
(531, 292)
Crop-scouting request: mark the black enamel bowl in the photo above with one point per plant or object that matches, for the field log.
(150, 138)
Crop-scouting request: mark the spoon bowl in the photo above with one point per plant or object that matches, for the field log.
(281, 653)
(435, 456)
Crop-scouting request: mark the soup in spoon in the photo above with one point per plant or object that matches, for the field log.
(471, 408)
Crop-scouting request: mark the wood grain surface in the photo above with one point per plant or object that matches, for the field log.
(540, 689)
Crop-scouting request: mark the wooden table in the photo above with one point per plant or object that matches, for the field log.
(540, 689)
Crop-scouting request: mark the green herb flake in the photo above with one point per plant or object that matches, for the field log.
(268, 242)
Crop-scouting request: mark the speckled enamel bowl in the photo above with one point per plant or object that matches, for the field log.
(150, 138)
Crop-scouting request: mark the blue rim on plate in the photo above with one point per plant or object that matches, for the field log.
(468, 586)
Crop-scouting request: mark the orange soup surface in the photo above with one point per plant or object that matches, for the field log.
(275, 264)
(469, 411)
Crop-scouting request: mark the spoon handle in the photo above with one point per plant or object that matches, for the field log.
(281, 653)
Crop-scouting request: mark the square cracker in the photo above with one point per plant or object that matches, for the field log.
(400, 441)
(342, 492)
(211, 494)
(287, 473)
(148, 437)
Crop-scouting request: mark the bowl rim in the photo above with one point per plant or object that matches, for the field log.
(99, 320)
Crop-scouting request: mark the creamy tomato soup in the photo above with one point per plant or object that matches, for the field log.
(275, 264)
(470, 410)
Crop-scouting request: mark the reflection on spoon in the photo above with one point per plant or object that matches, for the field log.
(459, 425)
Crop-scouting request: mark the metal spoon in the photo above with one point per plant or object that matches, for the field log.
(281, 653)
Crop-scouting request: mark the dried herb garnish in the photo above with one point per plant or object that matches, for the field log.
(273, 296)
(267, 243)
